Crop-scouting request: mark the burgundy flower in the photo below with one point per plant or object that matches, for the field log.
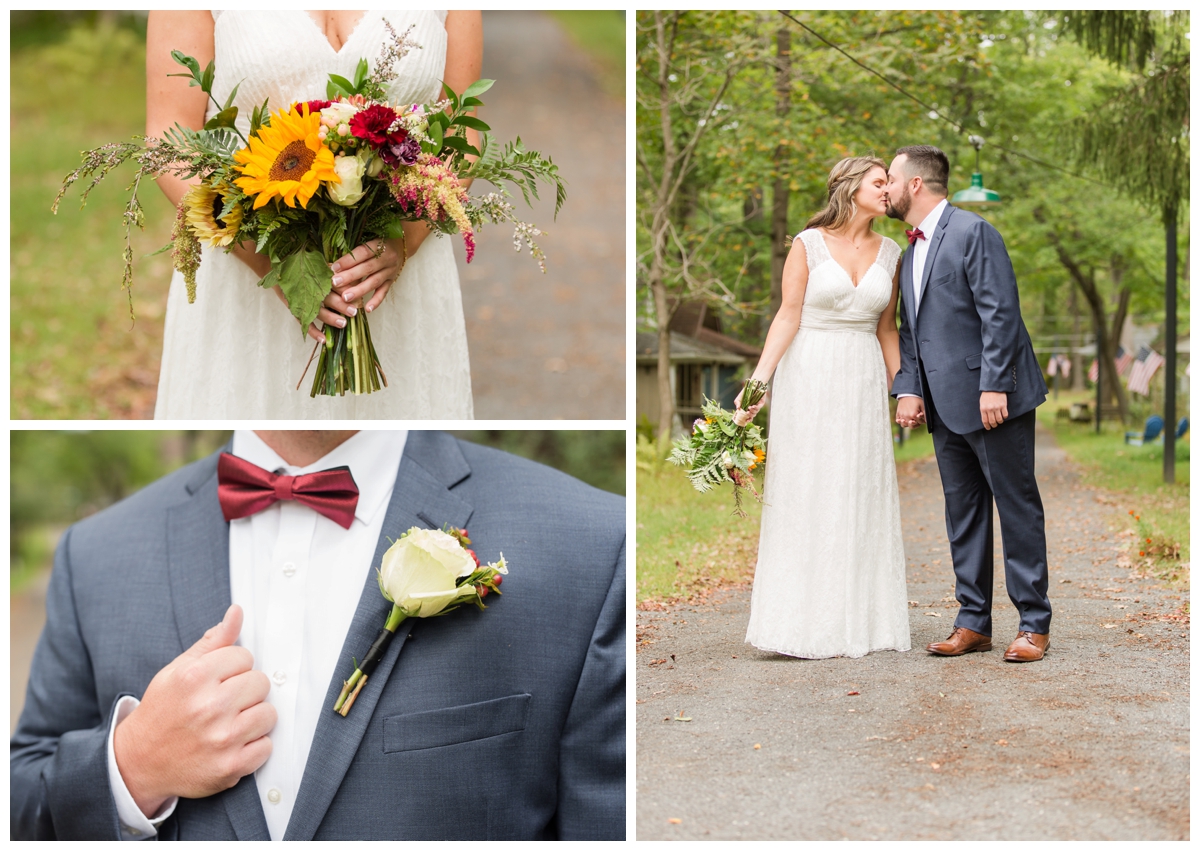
(406, 152)
(372, 123)
(313, 105)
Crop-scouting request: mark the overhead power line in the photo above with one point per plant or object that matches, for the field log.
(958, 127)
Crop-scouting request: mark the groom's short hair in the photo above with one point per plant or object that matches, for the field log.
(928, 163)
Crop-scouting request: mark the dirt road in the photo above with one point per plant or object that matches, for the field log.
(1090, 743)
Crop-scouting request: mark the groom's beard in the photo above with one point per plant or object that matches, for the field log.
(898, 208)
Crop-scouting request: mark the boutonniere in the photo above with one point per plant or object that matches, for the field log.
(427, 572)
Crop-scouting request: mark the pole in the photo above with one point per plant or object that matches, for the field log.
(1099, 383)
(1169, 402)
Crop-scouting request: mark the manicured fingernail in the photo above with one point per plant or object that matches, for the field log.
(348, 296)
(341, 322)
(337, 267)
(336, 279)
(369, 308)
(353, 311)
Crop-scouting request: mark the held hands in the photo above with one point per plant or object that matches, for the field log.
(993, 407)
(910, 411)
(202, 724)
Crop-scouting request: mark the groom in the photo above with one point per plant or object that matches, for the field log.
(968, 371)
(144, 718)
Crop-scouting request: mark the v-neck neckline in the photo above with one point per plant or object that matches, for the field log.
(338, 50)
(878, 253)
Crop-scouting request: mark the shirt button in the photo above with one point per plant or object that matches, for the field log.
(279, 677)
(274, 796)
(289, 569)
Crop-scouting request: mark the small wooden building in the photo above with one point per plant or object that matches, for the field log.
(705, 363)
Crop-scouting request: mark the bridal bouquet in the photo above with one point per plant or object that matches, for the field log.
(316, 179)
(719, 450)
(426, 573)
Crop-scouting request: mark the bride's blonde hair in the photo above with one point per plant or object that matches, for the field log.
(844, 181)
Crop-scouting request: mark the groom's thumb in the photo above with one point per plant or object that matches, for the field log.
(221, 635)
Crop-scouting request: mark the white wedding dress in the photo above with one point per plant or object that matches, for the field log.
(237, 353)
(830, 576)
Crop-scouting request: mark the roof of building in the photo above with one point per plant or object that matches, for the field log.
(686, 349)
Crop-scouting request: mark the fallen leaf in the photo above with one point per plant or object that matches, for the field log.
(675, 820)
(935, 765)
(934, 614)
(851, 693)
(1002, 742)
(682, 717)
(1109, 625)
(758, 747)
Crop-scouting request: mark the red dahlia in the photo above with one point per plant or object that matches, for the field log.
(372, 123)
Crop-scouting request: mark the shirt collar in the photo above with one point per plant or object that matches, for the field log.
(372, 456)
(929, 224)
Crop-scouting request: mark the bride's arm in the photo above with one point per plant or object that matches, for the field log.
(889, 337)
(171, 101)
(787, 320)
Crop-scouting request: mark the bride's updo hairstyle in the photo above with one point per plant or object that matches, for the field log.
(844, 181)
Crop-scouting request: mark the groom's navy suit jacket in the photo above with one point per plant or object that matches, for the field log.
(507, 723)
(966, 336)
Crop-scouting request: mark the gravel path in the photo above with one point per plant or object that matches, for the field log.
(551, 346)
(1090, 743)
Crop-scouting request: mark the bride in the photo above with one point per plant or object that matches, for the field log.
(830, 576)
(237, 353)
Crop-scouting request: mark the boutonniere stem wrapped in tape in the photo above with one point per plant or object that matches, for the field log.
(426, 573)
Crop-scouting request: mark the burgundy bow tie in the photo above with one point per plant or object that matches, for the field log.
(246, 489)
(913, 235)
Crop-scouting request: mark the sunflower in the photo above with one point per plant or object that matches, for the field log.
(286, 159)
(204, 204)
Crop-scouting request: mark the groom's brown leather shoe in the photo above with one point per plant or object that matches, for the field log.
(961, 641)
(1027, 647)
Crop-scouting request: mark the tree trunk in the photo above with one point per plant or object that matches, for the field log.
(1076, 342)
(1106, 347)
(779, 211)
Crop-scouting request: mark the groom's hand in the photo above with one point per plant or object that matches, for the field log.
(202, 724)
(910, 411)
(993, 407)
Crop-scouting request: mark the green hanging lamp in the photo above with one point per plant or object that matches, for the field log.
(976, 195)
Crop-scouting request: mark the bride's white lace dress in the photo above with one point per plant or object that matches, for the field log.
(237, 353)
(830, 576)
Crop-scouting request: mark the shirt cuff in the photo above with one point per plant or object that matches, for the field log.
(134, 824)
(906, 395)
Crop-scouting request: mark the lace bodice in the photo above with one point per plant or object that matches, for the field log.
(295, 62)
(832, 301)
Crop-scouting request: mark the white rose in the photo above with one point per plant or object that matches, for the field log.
(374, 164)
(420, 570)
(350, 190)
(338, 113)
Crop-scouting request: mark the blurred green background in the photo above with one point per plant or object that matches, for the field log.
(59, 477)
(78, 81)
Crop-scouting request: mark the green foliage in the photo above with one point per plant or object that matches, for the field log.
(601, 34)
(595, 457)
(513, 164)
(305, 279)
(339, 86)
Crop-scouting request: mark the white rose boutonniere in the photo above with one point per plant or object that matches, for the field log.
(427, 572)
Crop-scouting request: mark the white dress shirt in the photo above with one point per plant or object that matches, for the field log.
(298, 577)
(921, 249)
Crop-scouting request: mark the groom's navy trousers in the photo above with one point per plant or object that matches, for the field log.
(966, 338)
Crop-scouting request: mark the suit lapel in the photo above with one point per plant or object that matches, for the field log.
(935, 242)
(432, 463)
(198, 556)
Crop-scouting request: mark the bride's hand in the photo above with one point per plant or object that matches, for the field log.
(742, 416)
(374, 266)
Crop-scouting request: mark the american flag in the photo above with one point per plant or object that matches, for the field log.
(1122, 362)
(1148, 362)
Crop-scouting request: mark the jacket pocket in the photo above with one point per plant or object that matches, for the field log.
(973, 361)
(942, 280)
(454, 725)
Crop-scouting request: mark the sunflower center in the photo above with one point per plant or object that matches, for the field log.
(218, 204)
(292, 162)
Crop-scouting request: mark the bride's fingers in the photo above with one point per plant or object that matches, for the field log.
(378, 298)
(328, 317)
(338, 303)
(316, 333)
(379, 282)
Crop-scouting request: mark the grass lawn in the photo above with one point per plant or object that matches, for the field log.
(602, 35)
(1134, 476)
(74, 351)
